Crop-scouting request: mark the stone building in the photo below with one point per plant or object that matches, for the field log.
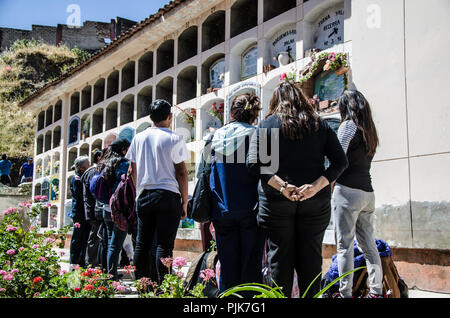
(197, 53)
(91, 36)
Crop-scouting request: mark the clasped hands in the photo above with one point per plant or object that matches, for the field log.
(302, 193)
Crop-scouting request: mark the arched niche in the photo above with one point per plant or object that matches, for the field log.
(54, 189)
(58, 111)
(37, 189)
(97, 122)
(213, 30)
(56, 163)
(40, 144)
(73, 154)
(74, 127)
(281, 39)
(184, 126)
(86, 97)
(111, 116)
(128, 75)
(145, 65)
(213, 72)
(243, 88)
(165, 56)
(44, 217)
(53, 216)
(49, 116)
(112, 84)
(188, 44)
(57, 137)
(86, 126)
(210, 121)
(46, 188)
(127, 109)
(47, 168)
(74, 103)
(84, 150)
(244, 16)
(187, 84)
(99, 91)
(38, 171)
(244, 60)
(48, 141)
(164, 89)
(273, 8)
(127, 133)
(41, 120)
(144, 101)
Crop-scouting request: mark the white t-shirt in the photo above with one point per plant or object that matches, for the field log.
(156, 151)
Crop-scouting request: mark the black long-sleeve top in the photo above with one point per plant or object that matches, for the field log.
(76, 189)
(300, 161)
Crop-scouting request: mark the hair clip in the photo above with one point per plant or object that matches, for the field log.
(248, 106)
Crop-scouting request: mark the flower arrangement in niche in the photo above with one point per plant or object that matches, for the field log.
(190, 116)
(217, 111)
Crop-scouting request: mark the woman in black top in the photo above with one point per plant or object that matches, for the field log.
(294, 189)
(353, 198)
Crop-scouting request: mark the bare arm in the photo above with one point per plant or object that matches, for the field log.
(288, 190)
(310, 190)
(182, 178)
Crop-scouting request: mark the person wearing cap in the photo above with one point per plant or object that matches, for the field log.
(26, 171)
(157, 157)
(113, 165)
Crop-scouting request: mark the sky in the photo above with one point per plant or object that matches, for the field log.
(21, 14)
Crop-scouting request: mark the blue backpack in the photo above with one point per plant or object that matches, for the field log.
(100, 188)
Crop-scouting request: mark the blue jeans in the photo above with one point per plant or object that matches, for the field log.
(116, 237)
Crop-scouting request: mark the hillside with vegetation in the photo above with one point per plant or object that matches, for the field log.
(25, 67)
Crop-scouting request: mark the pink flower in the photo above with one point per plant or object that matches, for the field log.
(179, 262)
(28, 205)
(2, 290)
(10, 210)
(44, 198)
(15, 271)
(117, 286)
(8, 68)
(332, 56)
(77, 267)
(49, 240)
(8, 277)
(77, 225)
(167, 262)
(283, 77)
(21, 248)
(207, 274)
(2, 272)
(62, 253)
(39, 222)
(52, 226)
(11, 228)
(10, 252)
(180, 275)
(42, 259)
(35, 246)
(48, 205)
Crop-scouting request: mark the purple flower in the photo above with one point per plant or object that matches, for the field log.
(35, 246)
(179, 262)
(15, 271)
(42, 259)
(2, 272)
(8, 277)
(11, 228)
(10, 252)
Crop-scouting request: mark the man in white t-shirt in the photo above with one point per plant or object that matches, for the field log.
(157, 158)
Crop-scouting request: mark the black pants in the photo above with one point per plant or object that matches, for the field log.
(240, 246)
(158, 211)
(79, 243)
(295, 233)
(93, 243)
(5, 179)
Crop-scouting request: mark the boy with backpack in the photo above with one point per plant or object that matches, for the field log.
(157, 158)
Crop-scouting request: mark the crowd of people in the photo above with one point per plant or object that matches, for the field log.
(283, 203)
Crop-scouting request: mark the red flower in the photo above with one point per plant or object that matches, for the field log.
(37, 280)
(283, 77)
(77, 289)
(88, 287)
(100, 289)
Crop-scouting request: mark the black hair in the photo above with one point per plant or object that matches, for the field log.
(160, 110)
(245, 108)
(354, 106)
(97, 155)
(4, 157)
(109, 162)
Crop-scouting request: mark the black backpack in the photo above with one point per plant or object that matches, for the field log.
(206, 260)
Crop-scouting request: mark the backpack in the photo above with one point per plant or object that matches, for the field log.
(123, 203)
(100, 188)
(206, 260)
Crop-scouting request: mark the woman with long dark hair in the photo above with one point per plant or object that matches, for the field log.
(113, 165)
(353, 197)
(288, 154)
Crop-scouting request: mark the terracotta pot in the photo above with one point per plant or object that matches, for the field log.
(341, 71)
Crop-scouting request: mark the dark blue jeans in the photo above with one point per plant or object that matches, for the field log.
(116, 237)
(79, 242)
(159, 213)
(240, 247)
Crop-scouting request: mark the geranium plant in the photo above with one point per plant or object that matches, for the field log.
(217, 111)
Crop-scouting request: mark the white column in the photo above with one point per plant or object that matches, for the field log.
(63, 160)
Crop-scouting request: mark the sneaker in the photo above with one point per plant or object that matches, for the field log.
(337, 295)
